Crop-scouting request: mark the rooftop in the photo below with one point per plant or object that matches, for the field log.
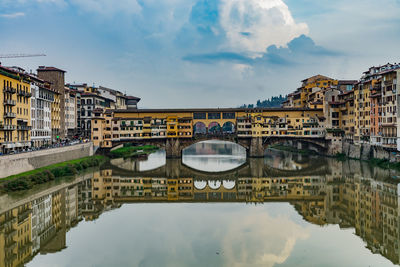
(44, 68)
(131, 97)
(316, 78)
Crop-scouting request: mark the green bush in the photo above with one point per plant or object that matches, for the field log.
(85, 165)
(57, 172)
(78, 166)
(49, 175)
(18, 184)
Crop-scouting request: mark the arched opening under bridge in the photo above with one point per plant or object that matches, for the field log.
(214, 128)
(199, 128)
(228, 127)
(214, 156)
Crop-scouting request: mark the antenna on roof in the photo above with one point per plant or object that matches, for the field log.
(21, 55)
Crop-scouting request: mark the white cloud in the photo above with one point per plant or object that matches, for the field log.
(12, 15)
(253, 25)
(107, 7)
(258, 239)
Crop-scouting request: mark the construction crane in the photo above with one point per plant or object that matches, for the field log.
(21, 55)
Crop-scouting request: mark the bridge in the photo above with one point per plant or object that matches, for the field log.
(176, 129)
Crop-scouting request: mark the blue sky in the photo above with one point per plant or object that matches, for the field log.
(201, 53)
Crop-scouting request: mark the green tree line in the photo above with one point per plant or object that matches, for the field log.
(273, 102)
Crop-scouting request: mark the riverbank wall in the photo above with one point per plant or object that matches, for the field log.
(362, 151)
(18, 163)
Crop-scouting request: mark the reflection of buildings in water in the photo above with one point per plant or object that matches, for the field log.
(39, 225)
(368, 205)
(287, 161)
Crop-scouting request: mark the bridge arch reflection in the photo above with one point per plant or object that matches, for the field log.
(200, 185)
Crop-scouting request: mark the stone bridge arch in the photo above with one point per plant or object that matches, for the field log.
(312, 143)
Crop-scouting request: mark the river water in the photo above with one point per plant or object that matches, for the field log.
(212, 208)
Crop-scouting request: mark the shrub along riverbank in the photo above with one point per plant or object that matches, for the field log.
(42, 175)
(385, 164)
(130, 151)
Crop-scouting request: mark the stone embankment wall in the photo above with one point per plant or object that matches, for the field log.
(361, 151)
(14, 164)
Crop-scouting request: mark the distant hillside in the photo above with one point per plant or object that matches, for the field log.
(274, 102)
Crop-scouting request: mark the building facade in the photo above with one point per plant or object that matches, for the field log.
(71, 111)
(57, 79)
(15, 110)
(41, 113)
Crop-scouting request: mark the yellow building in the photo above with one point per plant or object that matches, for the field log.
(15, 235)
(56, 117)
(15, 109)
(347, 116)
(310, 94)
(362, 110)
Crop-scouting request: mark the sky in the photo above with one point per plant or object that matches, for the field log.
(201, 53)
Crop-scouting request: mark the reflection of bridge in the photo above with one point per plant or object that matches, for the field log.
(174, 130)
(174, 168)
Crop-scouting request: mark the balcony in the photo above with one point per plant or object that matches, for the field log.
(24, 127)
(24, 93)
(10, 247)
(9, 115)
(26, 245)
(24, 215)
(9, 102)
(9, 90)
(7, 127)
(9, 259)
(11, 233)
(388, 82)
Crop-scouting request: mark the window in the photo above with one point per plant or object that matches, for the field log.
(199, 116)
(212, 116)
(228, 115)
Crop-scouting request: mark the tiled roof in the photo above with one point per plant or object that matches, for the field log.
(44, 68)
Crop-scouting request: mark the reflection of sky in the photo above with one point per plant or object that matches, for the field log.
(213, 163)
(154, 160)
(233, 234)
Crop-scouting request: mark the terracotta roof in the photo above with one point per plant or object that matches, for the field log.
(316, 78)
(346, 92)
(131, 97)
(44, 68)
(347, 82)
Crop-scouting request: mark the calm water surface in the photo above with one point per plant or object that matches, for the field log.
(212, 208)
